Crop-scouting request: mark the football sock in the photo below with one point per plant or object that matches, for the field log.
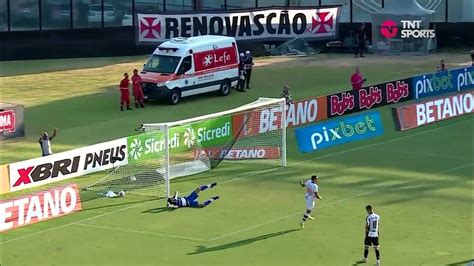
(202, 188)
(305, 216)
(377, 254)
(209, 201)
(366, 253)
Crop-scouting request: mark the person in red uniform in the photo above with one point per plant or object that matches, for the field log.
(357, 80)
(137, 89)
(125, 92)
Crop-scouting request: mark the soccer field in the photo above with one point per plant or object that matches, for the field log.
(420, 182)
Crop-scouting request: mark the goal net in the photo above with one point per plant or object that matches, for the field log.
(163, 151)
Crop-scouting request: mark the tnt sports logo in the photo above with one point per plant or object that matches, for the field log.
(136, 149)
(189, 137)
(389, 29)
(411, 29)
(324, 135)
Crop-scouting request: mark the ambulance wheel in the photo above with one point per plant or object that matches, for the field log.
(175, 96)
(225, 88)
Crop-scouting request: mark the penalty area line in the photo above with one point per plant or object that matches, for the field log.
(333, 203)
(254, 173)
(424, 154)
(237, 178)
(72, 223)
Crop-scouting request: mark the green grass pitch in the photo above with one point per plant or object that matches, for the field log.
(419, 181)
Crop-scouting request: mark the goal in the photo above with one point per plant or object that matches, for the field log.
(255, 132)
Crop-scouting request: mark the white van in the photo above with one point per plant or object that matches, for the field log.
(188, 66)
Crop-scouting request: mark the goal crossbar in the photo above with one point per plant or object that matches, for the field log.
(260, 102)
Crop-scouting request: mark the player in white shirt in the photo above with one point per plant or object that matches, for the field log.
(312, 189)
(45, 142)
(372, 225)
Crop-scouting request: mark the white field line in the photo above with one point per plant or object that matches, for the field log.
(332, 203)
(141, 232)
(72, 223)
(353, 149)
(259, 172)
(424, 154)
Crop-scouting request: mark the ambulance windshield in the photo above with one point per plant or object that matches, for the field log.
(162, 64)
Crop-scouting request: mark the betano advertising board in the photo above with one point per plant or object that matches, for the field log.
(434, 110)
(39, 206)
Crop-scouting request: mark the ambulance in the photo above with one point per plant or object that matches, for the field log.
(184, 67)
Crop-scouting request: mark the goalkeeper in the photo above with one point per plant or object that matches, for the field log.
(191, 200)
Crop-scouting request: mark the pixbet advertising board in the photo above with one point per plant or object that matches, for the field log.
(38, 207)
(438, 83)
(348, 129)
(256, 24)
(434, 110)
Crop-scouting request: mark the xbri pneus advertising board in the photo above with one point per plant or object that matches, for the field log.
(65, 165)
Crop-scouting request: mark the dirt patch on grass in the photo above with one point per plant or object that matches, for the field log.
(347, 60)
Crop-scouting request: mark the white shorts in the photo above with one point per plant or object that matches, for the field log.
(310, 202)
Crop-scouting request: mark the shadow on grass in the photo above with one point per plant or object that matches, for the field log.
(87, 196)
(202, 249)
(159, 210)
(226, 171)
(469, 262)
(118, 204)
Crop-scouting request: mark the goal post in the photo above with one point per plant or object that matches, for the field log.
(252, 133)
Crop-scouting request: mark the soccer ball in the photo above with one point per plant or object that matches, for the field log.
(121, 194)
(133, 178)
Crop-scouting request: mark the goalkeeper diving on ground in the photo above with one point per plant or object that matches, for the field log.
(191, 200)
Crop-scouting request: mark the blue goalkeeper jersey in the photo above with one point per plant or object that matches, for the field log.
(189, 201)
(182, 202)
